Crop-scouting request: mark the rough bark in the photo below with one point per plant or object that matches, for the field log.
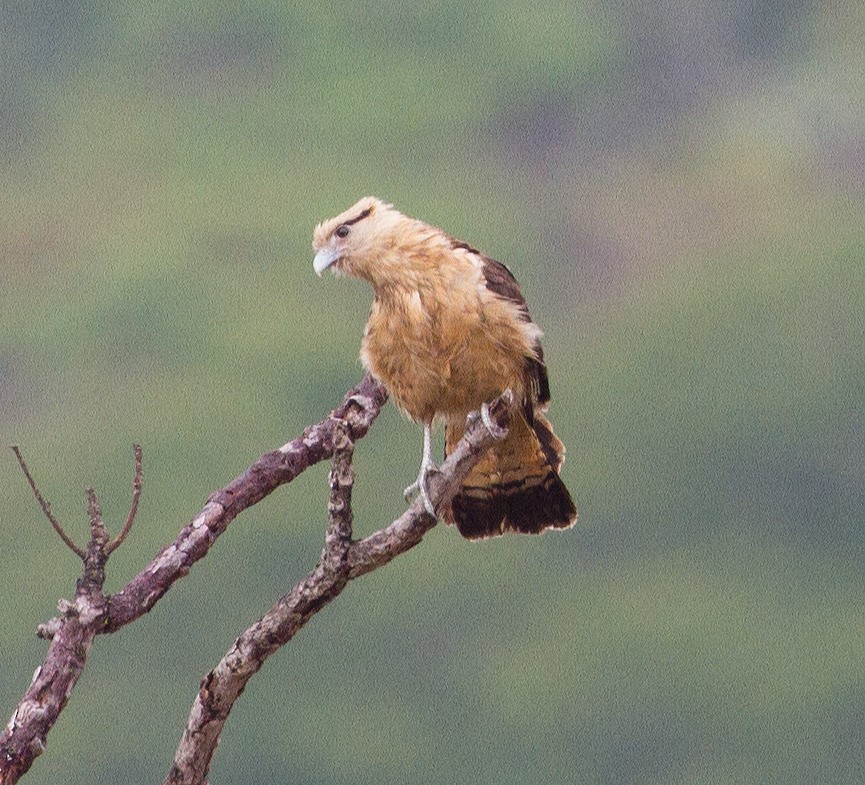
(24, 737)
(342, 560)
(91, 612)
(359, 408)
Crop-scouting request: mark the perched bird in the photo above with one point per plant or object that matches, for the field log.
(448, 331)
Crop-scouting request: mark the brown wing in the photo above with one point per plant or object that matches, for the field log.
(516, 484)
(501, 282)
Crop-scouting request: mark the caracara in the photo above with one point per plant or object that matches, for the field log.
(449, 331)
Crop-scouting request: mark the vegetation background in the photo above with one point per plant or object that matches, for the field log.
(680, 188)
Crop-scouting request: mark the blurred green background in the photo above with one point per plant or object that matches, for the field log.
(679, 187)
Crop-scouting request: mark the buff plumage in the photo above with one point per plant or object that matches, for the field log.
(449, 331)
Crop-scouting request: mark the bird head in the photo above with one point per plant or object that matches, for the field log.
(346, 243)
(374, 241)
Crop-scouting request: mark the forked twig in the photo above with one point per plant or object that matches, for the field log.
(137, 482)
(91, 613)
(343, 559)
(46, 506)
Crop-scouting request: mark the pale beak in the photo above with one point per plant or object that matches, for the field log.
(324, 259)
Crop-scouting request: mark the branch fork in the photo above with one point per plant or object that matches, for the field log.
(342, 559)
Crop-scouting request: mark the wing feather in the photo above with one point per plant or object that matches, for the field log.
(501, 282)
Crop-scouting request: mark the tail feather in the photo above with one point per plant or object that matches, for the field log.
(515, 486)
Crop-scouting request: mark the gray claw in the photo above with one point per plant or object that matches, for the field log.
(428, 505)
(492, 426)
(419, 487)
(410, 492)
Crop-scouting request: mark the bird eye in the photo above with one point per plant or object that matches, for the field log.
(342, 230)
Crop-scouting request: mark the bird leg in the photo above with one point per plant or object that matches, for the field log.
(426, 466)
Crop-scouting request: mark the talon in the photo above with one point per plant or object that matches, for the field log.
(491, 425)
(410, 492)
(419, 487)
(428, 505)
(485, 416)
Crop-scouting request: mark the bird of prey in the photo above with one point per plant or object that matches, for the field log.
(449, 331)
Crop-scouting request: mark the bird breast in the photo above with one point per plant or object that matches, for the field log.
(442, 351)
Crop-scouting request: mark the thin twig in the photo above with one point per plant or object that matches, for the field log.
(46, 506)
(72, 633)
(137, 482)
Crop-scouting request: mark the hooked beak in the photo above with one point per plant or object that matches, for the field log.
(324, 259)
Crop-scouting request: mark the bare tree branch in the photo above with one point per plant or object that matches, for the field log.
(224, 684)
(341, 561)
(24, 736)
(337, 537)
(45, 505)
(137, 482)
(359, 408)
(91, 613)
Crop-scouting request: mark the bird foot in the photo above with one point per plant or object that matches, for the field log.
(419, 487)
(496, 431)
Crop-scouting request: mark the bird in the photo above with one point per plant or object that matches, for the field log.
(448, 332)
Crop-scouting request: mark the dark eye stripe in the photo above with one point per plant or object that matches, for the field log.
(363, 215)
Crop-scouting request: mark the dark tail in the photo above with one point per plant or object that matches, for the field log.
(516, 484)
